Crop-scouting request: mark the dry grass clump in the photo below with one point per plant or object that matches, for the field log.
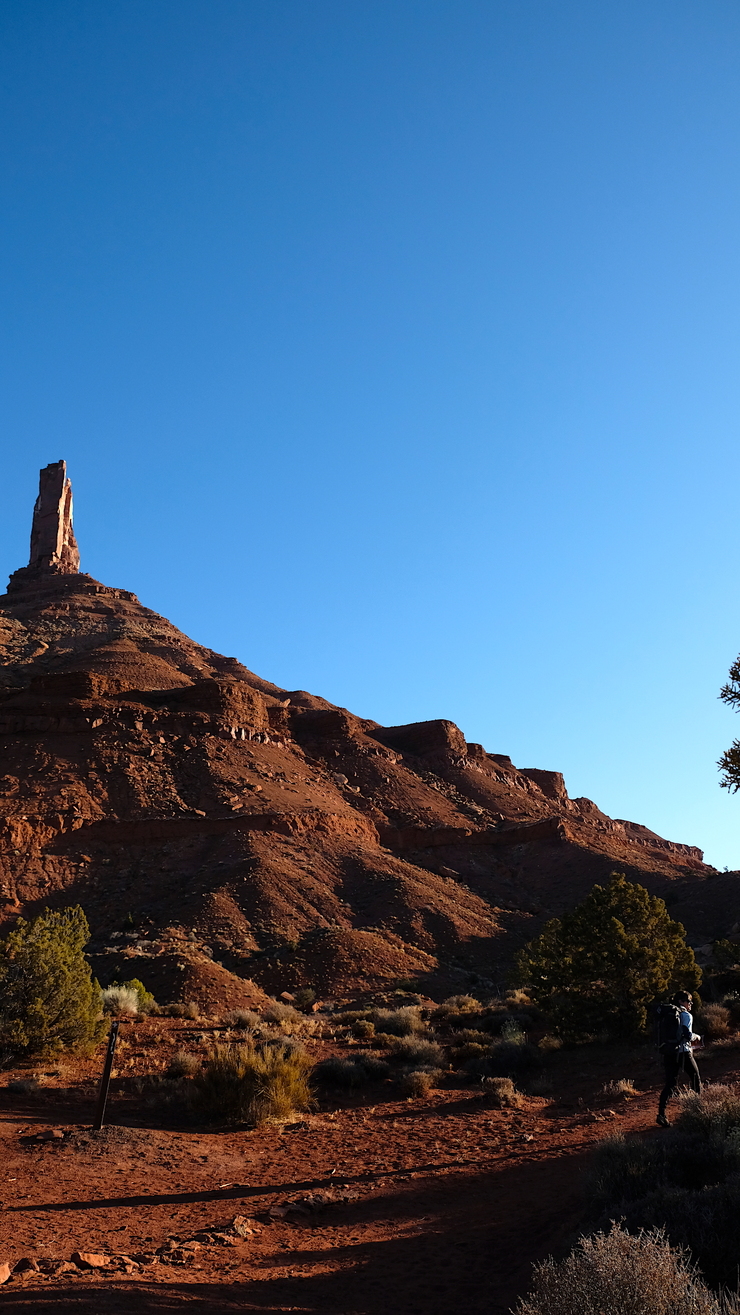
(398, 1022)
(253, 1084)
(246, 1019)
(120, 1000)
(279, 1014)
(352, 1072)
(620, 1087)
(713, 1021)
(463, 1004)
(416, 1050)
(25, 1086)
(714, 1114)
(503, 1093)
(362, 1029)
(548, 1042)
(182, 1009)
(615, 1273)
(182, 1065)
(418, 1082)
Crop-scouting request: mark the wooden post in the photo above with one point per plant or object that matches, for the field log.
(105, 1080)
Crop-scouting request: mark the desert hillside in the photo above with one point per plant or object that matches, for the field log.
(227, 837)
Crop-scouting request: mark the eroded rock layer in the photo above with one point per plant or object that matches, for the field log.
(225, 835)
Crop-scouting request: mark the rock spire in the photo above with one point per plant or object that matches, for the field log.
(53, 544)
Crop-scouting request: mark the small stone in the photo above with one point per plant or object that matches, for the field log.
(242, 1225)
(90, 1259)
(51, 1134)
(225, 1239)
(4, 1272)
(145, 1258)
(26, 1266)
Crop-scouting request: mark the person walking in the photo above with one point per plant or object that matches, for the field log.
(675, 1037)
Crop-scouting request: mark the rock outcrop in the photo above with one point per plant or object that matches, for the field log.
(225, 835)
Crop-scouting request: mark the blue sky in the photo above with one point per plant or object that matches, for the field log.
(393, 348)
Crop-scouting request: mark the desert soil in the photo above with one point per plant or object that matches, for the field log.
(437, 1204)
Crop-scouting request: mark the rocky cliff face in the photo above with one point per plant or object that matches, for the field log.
(224, 835)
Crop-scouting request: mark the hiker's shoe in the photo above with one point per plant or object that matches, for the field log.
(662, 1121)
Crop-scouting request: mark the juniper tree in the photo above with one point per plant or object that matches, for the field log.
(49, 1000)
(729, 763)
(597, 969)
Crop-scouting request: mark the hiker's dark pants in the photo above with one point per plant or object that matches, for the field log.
(674, 1061)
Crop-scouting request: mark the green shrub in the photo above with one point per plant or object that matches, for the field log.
(617, 1274)
(48, 999)
(304, 997)
(252, 1083)
(599, 968)
(714, 1114)
(504, 1059)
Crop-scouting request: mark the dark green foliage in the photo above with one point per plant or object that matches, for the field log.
(339, 1071)
(597, 970)
(48, 999)
(686, 1181)
(729, 763)
(145, 998)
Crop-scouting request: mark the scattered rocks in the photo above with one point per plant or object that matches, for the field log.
(91, 1259)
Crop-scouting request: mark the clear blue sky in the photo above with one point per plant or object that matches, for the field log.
(393, 348)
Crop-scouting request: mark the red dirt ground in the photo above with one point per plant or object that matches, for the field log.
(437, 1205)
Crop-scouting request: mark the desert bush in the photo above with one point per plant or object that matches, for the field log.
(362, 1029)
(504, 1059)
(49, 1000)
(503, 1094)
(549, 1042)
(279, 1014)
(416, 1050)
(181, 1009)
(384, 1040)
(601, 966)
(182, 1065)
(246, 1019)
(340, 1072)
(713, 1021)
(252, 1084)
(518, 998)
(687, 1181)
(304, 997)
(471, 1036)
(463, 1004)
(541, 1084)
(616, 1273)
(25, 1086)
(120, 1000)
(732, 1005)
(714, 1114)
(471, 1050)
(417, 1082)
(620, 1087)
(375, 1066)
(398, 1022)
(145, 999)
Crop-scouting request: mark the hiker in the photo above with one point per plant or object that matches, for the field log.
(675, 1036)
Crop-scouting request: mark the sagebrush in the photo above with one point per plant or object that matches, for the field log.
(253, 1084)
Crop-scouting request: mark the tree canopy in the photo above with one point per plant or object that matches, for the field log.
(49, 1000)
(729, 763)
(598, 969)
